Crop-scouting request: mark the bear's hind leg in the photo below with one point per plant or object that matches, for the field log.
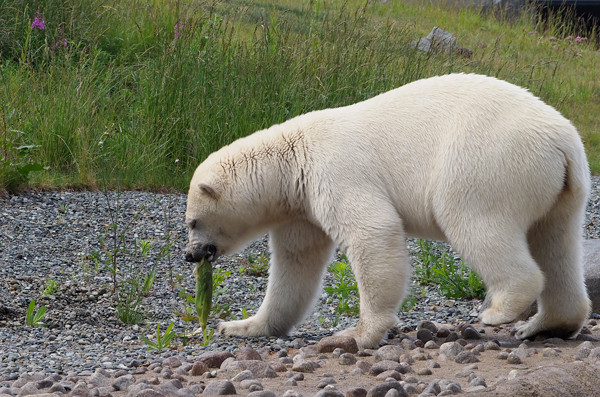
(555, 243)
(300, 252)
(512, 277)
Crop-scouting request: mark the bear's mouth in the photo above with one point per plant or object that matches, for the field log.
(198, 253)
(211, 253)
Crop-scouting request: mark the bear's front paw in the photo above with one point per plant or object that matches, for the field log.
(365, 340)
(248, 327)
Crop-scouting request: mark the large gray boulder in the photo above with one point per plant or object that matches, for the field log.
(591, 263)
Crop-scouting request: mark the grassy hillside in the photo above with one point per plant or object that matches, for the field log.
(135, 94)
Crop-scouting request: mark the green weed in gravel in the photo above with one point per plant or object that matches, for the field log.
(344, 291)
(163, 340)
(33, 318)
(436, 266)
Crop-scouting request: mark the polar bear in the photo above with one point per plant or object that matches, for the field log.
(464, 158)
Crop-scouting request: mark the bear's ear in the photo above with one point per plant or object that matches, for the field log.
(209, 190)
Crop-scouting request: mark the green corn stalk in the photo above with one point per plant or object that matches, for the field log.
(204, 286)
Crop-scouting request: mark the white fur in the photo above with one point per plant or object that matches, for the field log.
(468, 159)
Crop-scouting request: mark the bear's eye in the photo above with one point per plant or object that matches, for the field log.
(192, 224)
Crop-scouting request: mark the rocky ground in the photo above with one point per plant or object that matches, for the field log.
(67, 237)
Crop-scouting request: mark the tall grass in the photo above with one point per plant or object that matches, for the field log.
(111, 93)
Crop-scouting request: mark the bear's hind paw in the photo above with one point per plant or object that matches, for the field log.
(535, 327)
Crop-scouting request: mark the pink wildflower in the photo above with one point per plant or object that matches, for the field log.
(579, 39)
(38, 23)
(61, 43)
(569, 38)
(551, 38)
(177, 28)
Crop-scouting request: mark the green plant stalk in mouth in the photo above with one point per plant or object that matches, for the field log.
(204, 289)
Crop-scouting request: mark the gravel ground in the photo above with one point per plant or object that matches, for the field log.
(57, 236)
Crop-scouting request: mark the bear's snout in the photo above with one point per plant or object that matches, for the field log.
(196, 254)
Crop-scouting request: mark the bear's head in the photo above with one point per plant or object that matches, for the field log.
(219, 216)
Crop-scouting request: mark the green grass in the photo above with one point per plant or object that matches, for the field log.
(126, 104)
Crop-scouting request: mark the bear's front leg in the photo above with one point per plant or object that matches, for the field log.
(300, 252)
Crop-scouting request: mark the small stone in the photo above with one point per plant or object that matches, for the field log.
(470, 333)
(259, 369)
(583, 350)
(303, 365)
(347, 359)
(166, 373)
(503, 355)
(28, 389)
(491, 345)
(80, 390)
(466, 357)
(386, 365)
(424, 335)
(58, 388)
(407, 358)
(214, 359)
(453, 387)
(513, 358)
(452, 337)
(199, 368)
(433, 388)
(290, 382)
(173, 362)
(381, 389)
(442, 333)
(433, 364)
(244, 375)
(329, 393)
(392, 393)
(122, 383)
(550, 352)
(389, 374)
(292, 393)
(431, 345)
(451, 349)
(262, 393)
(247, 383)
(338, 351)
(389, 352)
(247, 353)
(408, 344)
(326, 382)
(219, 388)
(148, 393)
(429, 325)
(363, 365)
(474, 389)
(356, 392)
(478, 381)
(424, 372)
(330, 343)
(100, 378)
